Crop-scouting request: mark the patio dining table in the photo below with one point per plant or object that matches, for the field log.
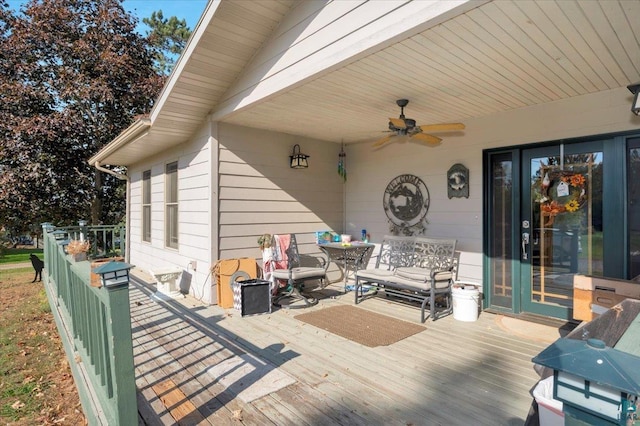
(350, 257)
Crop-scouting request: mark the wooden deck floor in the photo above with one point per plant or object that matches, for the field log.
(453, 373)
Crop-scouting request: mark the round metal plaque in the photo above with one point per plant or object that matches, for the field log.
(406, 203)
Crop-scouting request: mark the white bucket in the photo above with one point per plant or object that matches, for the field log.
(466, 298)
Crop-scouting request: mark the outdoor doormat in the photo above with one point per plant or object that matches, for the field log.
(361, 326)
(248, 377)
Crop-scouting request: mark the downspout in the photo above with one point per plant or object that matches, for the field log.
(127, 238)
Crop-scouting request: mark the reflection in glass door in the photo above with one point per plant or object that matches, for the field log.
(500, 231)
(562, 210)
(633, 207)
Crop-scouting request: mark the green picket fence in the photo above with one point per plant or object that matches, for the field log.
(95, 326)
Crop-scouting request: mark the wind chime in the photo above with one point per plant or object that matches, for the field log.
(342, 168)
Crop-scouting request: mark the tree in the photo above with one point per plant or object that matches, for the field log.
(74, 74)
(168, 38)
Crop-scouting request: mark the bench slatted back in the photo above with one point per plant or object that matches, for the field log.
(434, 253)
(395, 252)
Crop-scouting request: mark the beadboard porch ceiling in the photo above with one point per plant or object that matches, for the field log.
(479, 59)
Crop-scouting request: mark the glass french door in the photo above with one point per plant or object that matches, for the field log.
(555, 211)
(633, 207)
(561, 231)
(502, 262)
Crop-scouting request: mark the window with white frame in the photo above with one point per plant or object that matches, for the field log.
(146, 206)
(171, 205)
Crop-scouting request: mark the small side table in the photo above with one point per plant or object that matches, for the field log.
(350, 257)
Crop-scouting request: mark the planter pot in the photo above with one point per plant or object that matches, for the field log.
(79, 257)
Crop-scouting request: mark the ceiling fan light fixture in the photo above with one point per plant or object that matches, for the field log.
(404, 137)
(410, 123)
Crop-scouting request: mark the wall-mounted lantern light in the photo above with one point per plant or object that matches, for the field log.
(113, 274)
(635, 89)
(297, 159)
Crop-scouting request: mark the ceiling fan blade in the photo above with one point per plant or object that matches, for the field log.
(442, 127)
(382, 141)
(427, 139)
(398, 123)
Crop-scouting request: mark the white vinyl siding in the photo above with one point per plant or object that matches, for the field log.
(146, 206)
(171, 205)
(192, 163)
(260, 194)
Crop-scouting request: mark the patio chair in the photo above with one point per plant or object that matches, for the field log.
(295, 275)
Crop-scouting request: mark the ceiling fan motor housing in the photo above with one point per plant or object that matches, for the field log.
(410, 124)
(403, 126)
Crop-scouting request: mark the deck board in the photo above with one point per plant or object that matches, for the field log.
(347, 360)
(452, 373)
(437, 365)
(180, 407)
(177, 351)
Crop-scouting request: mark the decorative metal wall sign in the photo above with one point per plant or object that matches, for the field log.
(458, 181)
(406, 203)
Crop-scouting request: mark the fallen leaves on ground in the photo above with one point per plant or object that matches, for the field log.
(37, 365)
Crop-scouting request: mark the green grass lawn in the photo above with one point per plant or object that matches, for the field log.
(596, 246)
(37, 386)
(12, 255)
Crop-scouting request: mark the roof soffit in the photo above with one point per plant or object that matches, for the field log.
(488, 58)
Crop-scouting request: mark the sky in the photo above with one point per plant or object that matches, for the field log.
(190, 10)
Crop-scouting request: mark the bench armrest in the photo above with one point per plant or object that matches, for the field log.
(442, 274)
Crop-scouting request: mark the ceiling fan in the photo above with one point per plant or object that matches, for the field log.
(403, 126)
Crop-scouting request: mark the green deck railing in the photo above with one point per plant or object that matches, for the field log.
(95, 327)
(106, 241)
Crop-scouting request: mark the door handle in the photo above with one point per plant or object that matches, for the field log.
(525, 243)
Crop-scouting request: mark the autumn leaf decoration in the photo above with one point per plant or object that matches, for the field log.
(570, 203)
(77, 247)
